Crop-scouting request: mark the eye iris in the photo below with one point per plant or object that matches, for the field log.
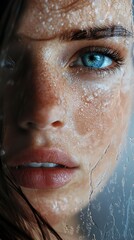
(93, 60)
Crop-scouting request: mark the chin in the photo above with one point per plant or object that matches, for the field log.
(58, 206)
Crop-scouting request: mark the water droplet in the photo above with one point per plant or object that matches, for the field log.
(95, 94)
(50, 19)
(43, 23)
(62, 23)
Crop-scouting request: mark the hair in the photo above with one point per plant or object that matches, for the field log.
(18, 218)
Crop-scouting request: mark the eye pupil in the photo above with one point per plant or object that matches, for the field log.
(93, 57)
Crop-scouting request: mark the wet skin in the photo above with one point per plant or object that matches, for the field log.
(80, 110)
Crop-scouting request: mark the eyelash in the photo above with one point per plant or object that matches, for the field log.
(114, 55)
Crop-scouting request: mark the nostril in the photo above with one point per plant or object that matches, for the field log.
(28, 125)
(57, 124)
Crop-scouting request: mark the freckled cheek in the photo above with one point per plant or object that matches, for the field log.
(102, 116)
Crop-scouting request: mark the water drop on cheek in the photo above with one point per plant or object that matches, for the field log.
(43, 23)
(40, 17)
(95, 94)
(50, 20)
(93, 4)
(96, 11)
(110, 18)
(81, 112)
(62, 24)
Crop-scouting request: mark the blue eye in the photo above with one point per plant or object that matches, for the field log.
(94, 60)
(97, 58)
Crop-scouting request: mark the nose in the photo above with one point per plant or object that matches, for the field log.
(41, 105)
(41, 119)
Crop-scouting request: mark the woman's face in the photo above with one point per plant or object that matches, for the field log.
(67, 101)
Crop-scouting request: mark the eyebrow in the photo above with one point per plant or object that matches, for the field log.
(96, 33)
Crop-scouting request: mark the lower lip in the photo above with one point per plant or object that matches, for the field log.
(43, 178)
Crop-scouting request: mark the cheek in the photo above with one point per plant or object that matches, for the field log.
(102, 115)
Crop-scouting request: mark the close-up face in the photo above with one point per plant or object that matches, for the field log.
(67, 100)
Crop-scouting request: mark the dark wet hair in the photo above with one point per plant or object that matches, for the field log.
(18, 218)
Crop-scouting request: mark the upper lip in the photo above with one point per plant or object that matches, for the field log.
(41, 155)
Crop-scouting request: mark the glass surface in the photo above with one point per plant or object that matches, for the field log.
(67, 113)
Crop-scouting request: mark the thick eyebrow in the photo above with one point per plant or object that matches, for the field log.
(96, 33)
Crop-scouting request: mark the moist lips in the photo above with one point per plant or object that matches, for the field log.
(42, 177)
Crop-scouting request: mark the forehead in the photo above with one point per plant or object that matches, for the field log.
(47, 18)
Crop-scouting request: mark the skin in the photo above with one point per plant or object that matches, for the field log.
(76, 110)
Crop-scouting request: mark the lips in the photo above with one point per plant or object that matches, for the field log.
(42, 168)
